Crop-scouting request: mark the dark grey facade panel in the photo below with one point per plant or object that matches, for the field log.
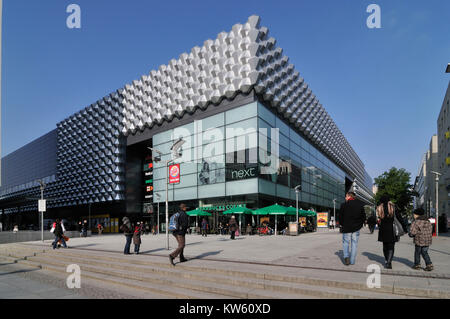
(31, 162)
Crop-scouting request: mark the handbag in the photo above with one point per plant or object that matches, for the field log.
(398, 228)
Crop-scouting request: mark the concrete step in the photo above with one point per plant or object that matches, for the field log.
(229, 286)
(218, 271)
(260, 272)
(128, 286)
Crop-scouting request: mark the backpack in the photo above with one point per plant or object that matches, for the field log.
(173, 223)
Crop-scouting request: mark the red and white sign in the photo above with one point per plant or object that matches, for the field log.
(174, 174)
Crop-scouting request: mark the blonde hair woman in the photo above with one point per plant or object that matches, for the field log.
(385, 213)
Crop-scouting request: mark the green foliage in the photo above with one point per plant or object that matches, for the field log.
(395, 183)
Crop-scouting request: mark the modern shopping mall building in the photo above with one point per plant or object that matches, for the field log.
(252, 131)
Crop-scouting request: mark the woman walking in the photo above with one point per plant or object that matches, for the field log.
(385, 212)
(233, 227)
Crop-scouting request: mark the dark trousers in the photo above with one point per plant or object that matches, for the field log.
(127, 244)
(63, 242)
(388, 250)
(421, 250)
(233, 233)
(180, 250)
(136, 248)
(204, 232)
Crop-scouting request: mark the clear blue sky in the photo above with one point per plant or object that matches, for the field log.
(383, 87)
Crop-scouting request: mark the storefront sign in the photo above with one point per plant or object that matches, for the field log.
(174, 174)
(222, 207)
(322, 219)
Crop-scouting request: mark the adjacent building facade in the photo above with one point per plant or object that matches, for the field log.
(252, 131)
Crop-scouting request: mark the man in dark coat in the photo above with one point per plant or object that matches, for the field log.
(351, 220)
(127, 229)
(180, 235)
(233, 227)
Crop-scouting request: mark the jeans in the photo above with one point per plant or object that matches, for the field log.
(346, 239)
(136, 248)
(58, 238)
(128, 244)
(421, 250)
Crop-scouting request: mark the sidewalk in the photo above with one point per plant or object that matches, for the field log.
(320, 250)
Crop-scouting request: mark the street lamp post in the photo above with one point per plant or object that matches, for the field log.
(437, 201)
(297, 188)
(157, 218)
(334, 213)
(42, 187)
(175, 155)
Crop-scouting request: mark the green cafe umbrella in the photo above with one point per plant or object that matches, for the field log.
(197, 212)
(238, 211)
(301, 212)
(272, 210)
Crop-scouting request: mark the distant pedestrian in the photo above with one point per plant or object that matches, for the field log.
(80, 228)
(100, 228)
(128, 232)
(147, 228)
(233, 227)
(386, 211)
(351, 219)
(16, 229)
(85, 228)
(249, 229)
(220, 229)
(422, 231)
(204, 227)
(137, 237)
(371, 222)
(58, 230)
(182, 225)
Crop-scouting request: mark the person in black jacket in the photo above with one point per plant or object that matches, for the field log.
(385, 212)
(58, 231)
(127, 229)
(180, 235)
(351, 220)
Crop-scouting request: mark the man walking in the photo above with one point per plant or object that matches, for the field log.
(180, 234)
(351, 220)
(58, 230)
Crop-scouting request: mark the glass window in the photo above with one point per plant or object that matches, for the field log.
(162, 137)
(284, 129)
(186, 193)
(214, 190)
(248, 186)
(213, 121)
(240, 113)
(267, 187)
(265, 114)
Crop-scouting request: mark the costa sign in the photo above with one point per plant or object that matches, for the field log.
(174, 174)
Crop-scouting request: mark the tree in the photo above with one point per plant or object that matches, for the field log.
(395, 183)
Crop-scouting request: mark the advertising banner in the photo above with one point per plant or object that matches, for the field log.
(322, 219)
(174, 174)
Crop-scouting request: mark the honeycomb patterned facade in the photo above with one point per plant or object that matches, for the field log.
(92, 142)
(244, 59)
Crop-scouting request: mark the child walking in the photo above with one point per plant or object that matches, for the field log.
(422, 231)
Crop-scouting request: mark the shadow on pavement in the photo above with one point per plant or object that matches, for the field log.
(340, 254)
(211, 253)
(17, 272)
(381, 260)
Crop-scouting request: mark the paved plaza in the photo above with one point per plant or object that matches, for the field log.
(322, 249)
(317, 256)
